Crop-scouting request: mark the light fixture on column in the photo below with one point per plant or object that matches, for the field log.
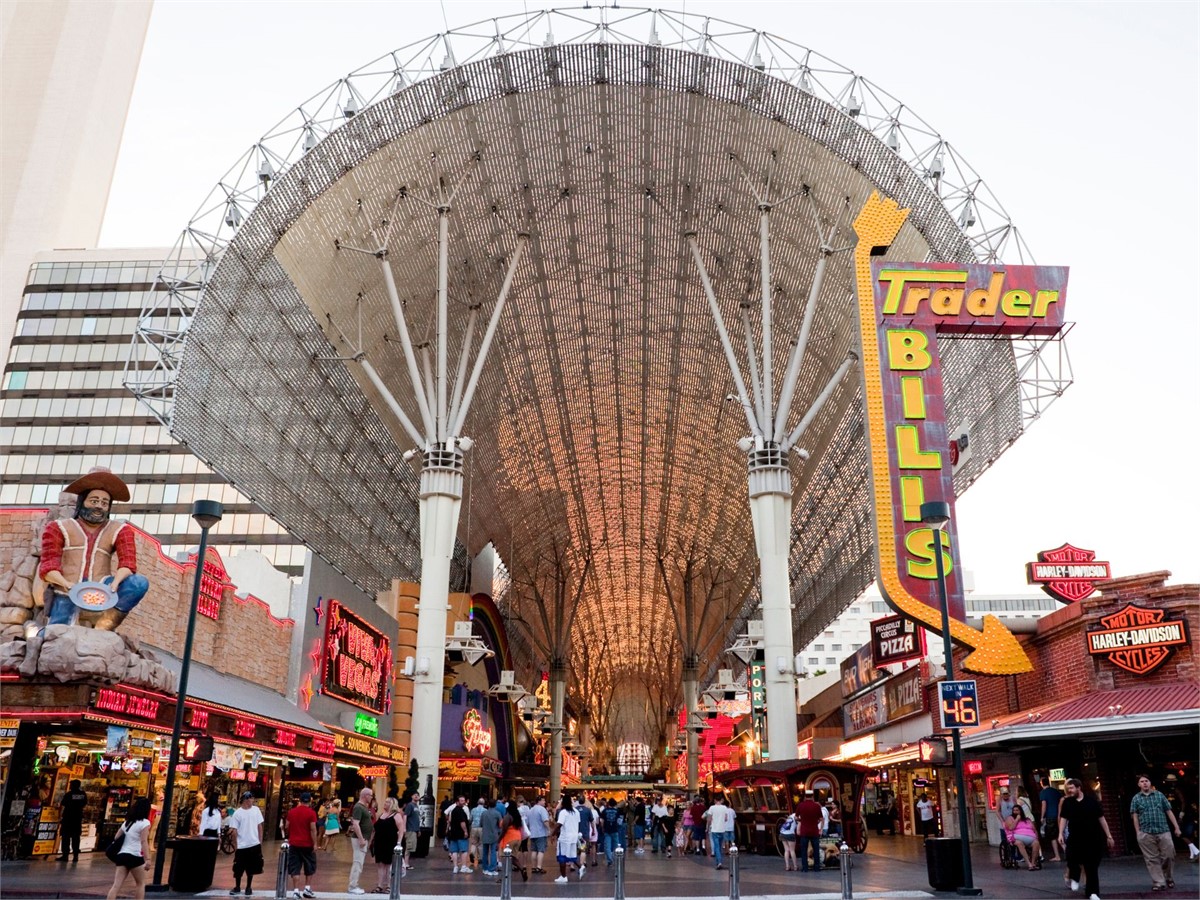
(508, 691)
(725, 688)
(463, 646)
(747, 645)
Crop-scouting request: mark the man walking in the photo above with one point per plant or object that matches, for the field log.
(474, 850)
(300, 829)
(246, 823)
(71, 828)
(810, 818)
(720, 828)
(458, 833)
(412, 827)
(610, 821)
(1151, 812)
(362, 829)
(538, 823)
(1051, 797)
(1087, 836)
(489, 836)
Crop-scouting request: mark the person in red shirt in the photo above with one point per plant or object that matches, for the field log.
(808, 814)
(91, 547)
(302, 842)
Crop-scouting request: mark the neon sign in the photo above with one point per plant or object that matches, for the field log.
(1137, 639)
(902, 308)
(129, 704)
(357, 665)
(285, 738)
(368, 725)
(475, 736)
(199, 718)
(214, 579)
(244, 728)
(1066, 573)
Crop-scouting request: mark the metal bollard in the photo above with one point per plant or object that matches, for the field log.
(735, 873)
(281, 889)
(844, 861)
(619, 874)
(397, 870)
(506, 864)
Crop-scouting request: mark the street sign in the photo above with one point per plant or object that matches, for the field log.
(959, 704)
(933, 750)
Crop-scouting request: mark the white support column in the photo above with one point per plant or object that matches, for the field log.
(771, 511)
(768, 365)
(558, 696)
(441, 500)
(691, 697)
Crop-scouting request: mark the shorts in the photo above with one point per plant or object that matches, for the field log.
(537, 844)
(410, 841)
(790, 838)
(1050, 829)
(1025, 839)
(568, 851)
(301, 858)
(697, 832)
(639, 832)
(248, 860)
(458, 845)
(130, 861)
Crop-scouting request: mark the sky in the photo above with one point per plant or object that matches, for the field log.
(1082, 118)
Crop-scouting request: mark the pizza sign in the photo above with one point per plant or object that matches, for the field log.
(1137, 639)
(1068, 574)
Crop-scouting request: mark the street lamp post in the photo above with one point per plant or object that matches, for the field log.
(207, 513)
(936, 514)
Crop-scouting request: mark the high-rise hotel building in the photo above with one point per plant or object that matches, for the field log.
(64, 408)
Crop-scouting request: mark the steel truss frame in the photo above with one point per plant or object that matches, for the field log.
(449, 72)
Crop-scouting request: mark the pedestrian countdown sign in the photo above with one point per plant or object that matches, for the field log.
(959, 704)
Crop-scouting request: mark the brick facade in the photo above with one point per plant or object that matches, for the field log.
(245, 640)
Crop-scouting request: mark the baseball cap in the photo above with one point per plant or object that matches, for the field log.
(247, 795)
(306, 796)
(1004, 790)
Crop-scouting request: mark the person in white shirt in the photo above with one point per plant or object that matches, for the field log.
(247, 825)
(210, 819)
(926, 825)
(131, 862)
(720, 828)
(567, 823)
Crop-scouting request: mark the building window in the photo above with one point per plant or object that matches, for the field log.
(16, 380)
(835, 646)
(814, 660)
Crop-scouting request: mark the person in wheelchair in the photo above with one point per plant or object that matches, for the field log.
(1023, 836)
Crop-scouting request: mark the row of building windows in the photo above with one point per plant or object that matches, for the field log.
(832, 647)
(182, 523)
(127, 465)
(36, 437)
(107, 301)
(65, 355)
(287, 557)
(87, 272)
(816, 661)
(126, 407)
(142, 494)
(64, 380)
(94, 326)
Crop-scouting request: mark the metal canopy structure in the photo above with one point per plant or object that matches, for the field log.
(605, 421)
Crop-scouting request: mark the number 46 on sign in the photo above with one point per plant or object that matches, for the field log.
(960, 704)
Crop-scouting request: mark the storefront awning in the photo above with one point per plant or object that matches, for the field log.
(238, 695)
(1099, 715)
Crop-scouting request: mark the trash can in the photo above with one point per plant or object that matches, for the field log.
(193, 860)
(943, 859)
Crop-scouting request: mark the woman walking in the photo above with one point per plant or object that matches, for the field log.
(332, 826)
(135, 850)
(387, 835)
(510, 827)
(1086, 834)
(210, 819)
(787, 837)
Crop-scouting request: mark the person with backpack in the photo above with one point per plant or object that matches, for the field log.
(611, 824)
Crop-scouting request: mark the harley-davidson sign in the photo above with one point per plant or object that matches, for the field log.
(1068, 574)
(1137, 639)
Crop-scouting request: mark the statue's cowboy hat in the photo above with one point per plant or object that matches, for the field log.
(100, 479)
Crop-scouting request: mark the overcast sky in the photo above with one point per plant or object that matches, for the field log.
(1082, 117)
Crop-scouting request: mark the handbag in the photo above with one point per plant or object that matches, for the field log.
(113, 850)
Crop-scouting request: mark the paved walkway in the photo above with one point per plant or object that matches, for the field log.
(891, 868)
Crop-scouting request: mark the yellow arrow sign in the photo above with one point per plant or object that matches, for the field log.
(995, 651)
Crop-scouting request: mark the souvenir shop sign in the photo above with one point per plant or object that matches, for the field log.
(903, 308)
(895, 639)
(349, 742)
(357, 663)
(8, 732)
(900, 697)
(1066, 573)
(1137, 639)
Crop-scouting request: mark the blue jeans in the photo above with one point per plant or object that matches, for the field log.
(611, 843)
(129, 594)
(718, 840)
(805, 842)
(489, 858)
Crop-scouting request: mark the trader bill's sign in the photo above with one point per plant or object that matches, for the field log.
(1137, 639)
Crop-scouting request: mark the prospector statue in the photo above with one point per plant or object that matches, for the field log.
(91, 550)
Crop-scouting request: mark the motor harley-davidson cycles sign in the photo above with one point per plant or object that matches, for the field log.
(1137, 639)
(1066, 573)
